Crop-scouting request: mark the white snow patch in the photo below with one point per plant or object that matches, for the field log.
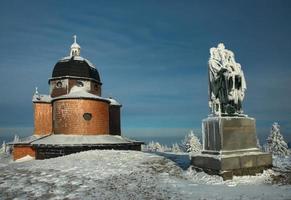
(126, 175)
(80, 94)
(25, 158)
(282, 162)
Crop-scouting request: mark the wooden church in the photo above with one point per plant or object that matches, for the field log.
(74, 117)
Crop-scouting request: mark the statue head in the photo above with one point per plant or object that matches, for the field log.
(220, 46)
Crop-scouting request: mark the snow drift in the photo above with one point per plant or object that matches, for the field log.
(126, 175)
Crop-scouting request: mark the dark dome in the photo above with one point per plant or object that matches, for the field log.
(75, 66)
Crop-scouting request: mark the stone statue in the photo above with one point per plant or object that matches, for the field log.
(226, 82)
(229, 136)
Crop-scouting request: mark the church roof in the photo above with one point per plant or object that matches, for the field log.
(27, 140)
(41, 98)
(75, 65)
(114, 102)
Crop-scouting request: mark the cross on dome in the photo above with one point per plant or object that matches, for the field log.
(36, 91)
(75, 48)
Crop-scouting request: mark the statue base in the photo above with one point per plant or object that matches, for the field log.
(230, 148)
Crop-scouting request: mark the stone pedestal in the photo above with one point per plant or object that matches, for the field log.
(230, 148)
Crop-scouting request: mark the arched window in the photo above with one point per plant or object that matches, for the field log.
(59, 84)
(80, 84)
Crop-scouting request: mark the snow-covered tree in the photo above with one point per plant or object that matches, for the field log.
(191, 143)
(276, 144)
(16, 139)
(175, 148)
(158, 147)
(3, 147)
(154, 147)
(165, 148)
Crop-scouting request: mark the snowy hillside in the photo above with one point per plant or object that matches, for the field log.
(127, 175)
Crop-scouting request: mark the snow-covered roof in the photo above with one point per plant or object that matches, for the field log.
(75, 93)
(81, 94)
(41, 98)
(28, 140)
(80, 58)
(114, 102)
(61, 139)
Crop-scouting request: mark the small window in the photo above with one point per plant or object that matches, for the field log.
(80, 84)
(59, 84)
(96, 87)
(87, 116)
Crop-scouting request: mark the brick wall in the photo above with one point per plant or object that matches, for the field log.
(22, 151)
(68, 117)
(42, 118)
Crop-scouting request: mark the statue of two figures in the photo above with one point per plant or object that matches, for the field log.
(226, 82)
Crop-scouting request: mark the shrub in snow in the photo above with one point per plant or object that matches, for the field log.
(154, 147)
(175, 148)
(165, 148)
(3, 147)
(191, 143)
(275, 142)
(16, 139)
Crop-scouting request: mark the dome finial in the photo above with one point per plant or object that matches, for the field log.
(75, 48)
(75, 38)
(36, 91)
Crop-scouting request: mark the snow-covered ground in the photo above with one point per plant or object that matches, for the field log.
(129, 175)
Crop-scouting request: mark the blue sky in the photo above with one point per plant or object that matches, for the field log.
(151, 55)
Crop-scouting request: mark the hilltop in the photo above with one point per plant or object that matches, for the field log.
(112, 174)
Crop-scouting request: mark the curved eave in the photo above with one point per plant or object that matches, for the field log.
(41, 101)
(76, 96)
(116, 105)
